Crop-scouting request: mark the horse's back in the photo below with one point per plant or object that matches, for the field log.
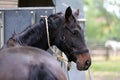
(27, 63)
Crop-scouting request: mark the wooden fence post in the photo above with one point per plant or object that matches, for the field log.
(107, 55)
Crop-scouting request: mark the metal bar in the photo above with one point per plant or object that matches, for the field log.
(81, 20)
(32, 17)
(1, 29)
(28, 8)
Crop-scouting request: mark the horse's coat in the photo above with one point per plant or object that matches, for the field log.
(28, 63)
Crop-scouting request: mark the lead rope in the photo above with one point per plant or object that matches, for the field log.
(89, 74)
(55, 53)
(60, 58)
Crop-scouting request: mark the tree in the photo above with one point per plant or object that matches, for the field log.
(101, 24)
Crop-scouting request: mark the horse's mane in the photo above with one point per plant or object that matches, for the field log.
(30, 29)
(37, 30)
(56, 15)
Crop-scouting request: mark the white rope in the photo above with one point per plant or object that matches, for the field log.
(89, 74)
(60, 58)
(48, 37)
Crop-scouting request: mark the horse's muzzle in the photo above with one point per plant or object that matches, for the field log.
(85, 67)
(83, 60)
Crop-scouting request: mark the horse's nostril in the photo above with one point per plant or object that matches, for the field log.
(87, 64)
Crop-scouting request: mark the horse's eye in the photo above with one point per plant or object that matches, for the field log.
(75, 33)
(80, 28)
(63, 38)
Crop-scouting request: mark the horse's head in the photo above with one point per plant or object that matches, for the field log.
(70, 39)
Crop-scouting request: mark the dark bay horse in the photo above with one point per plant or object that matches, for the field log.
(64, 32)
(29, 63)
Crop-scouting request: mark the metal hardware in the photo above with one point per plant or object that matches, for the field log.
(1, 28)
(32, 17)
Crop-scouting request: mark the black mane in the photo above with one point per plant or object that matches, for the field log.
(35, 34)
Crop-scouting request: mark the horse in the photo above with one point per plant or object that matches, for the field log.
(29, 63)
(64, 32)
(114, 45)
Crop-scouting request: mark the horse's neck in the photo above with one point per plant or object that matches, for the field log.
(34, 36)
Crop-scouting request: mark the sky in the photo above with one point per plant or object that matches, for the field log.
(112, 6)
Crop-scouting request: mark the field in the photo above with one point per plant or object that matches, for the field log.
(102, 69)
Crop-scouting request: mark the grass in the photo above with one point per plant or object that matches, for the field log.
(105, 70)
(104, 66)
(100, 64)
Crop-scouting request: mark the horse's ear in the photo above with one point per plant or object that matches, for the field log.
(76, 13)
(68, 13)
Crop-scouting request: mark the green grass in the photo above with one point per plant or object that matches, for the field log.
(112, 65)
(105, 70)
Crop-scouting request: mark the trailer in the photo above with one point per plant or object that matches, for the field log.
(22, 13)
